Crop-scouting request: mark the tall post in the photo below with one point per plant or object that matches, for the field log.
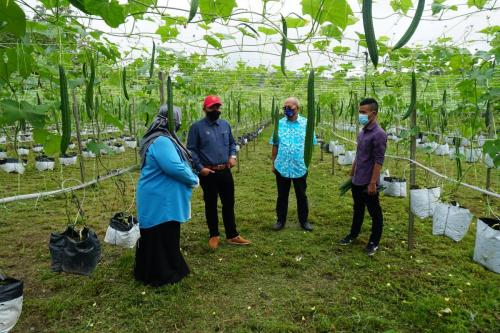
(413, 168)
(78, 137)
(132, 113)
(491, 135)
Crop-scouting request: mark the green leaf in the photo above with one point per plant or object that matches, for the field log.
(167, 32)
(341, 49)
(95, 147)
(12, 18)
(112, 12)
(52, 144)
(212, 41)
(268, 31)
(479, 4)
(332, 31)
(108, 118)
(13, 111)
(403, 5)
(490, 30)
(321, 44)
(213, 9)
(295, 22)
(334, 11)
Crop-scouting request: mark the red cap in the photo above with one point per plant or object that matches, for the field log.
(211, 100)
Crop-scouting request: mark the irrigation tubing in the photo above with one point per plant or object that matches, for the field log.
(39, 195)
(434, 172)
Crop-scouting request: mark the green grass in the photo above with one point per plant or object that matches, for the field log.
(287, 281)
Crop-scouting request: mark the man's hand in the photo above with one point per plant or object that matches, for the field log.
(232, 162)
(372, 188)
(205, 172)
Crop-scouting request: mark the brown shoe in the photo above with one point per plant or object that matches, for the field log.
(213, 242)
(238, 240)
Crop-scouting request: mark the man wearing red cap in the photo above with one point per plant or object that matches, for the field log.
(211, 143)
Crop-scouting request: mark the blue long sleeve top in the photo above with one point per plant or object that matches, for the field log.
(165, 186)
(210, 143)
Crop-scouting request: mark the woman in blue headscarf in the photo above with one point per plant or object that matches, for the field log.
(163, 202)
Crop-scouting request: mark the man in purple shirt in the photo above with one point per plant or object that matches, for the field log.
(365, 173)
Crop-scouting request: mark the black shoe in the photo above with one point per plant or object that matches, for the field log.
(306, 226)
(371, 248)
(347, 240)
(278, 225)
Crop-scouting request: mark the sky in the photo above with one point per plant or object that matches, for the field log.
(455, 24)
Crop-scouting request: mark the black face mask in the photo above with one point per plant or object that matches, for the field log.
(213, 115)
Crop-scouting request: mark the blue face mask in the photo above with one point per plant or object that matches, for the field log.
(289, 112)
(363, 119)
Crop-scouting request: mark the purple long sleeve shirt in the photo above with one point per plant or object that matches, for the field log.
(372, 142)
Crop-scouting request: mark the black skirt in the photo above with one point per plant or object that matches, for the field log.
(158, 259)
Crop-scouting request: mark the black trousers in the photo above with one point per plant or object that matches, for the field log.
(219, 184)
(300, 186)
(361, 200)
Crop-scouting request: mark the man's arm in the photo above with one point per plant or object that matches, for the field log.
(380, 145)
(273, 156)
(232, 148)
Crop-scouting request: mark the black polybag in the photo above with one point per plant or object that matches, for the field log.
(71, 253)
(121, 222)
(10, 289)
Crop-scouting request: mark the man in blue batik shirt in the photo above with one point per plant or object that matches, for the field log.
(289, 166)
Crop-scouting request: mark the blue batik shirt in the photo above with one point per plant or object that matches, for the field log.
(291, 138)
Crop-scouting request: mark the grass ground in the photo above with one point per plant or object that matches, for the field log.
(287, 281)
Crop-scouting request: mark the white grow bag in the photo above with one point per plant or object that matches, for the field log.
(122, 231)
(44, 163)
(395, 187)
(336, 149)
(12, 165)
(88, 154)
(11, 303)
(473, 155)
(23, 151)
(37, 149)
(442, 150)
(3, 155)
(489, 161)
(347, 158)
(423, 201)
(131, 144)
(451, 221)
(118, 148)
(68, 160)
(487, 248)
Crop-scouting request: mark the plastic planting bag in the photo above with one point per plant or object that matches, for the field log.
(74, 251)
(487, 248)
(347, 158)
(473, 155)
(12, 165)
(11, 302)
(451, 220)
(337, 150)
(395, 187)
(423, 201)
(123, 231)
(442, 150)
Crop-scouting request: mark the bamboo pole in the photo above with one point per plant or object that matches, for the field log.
(413, 152)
